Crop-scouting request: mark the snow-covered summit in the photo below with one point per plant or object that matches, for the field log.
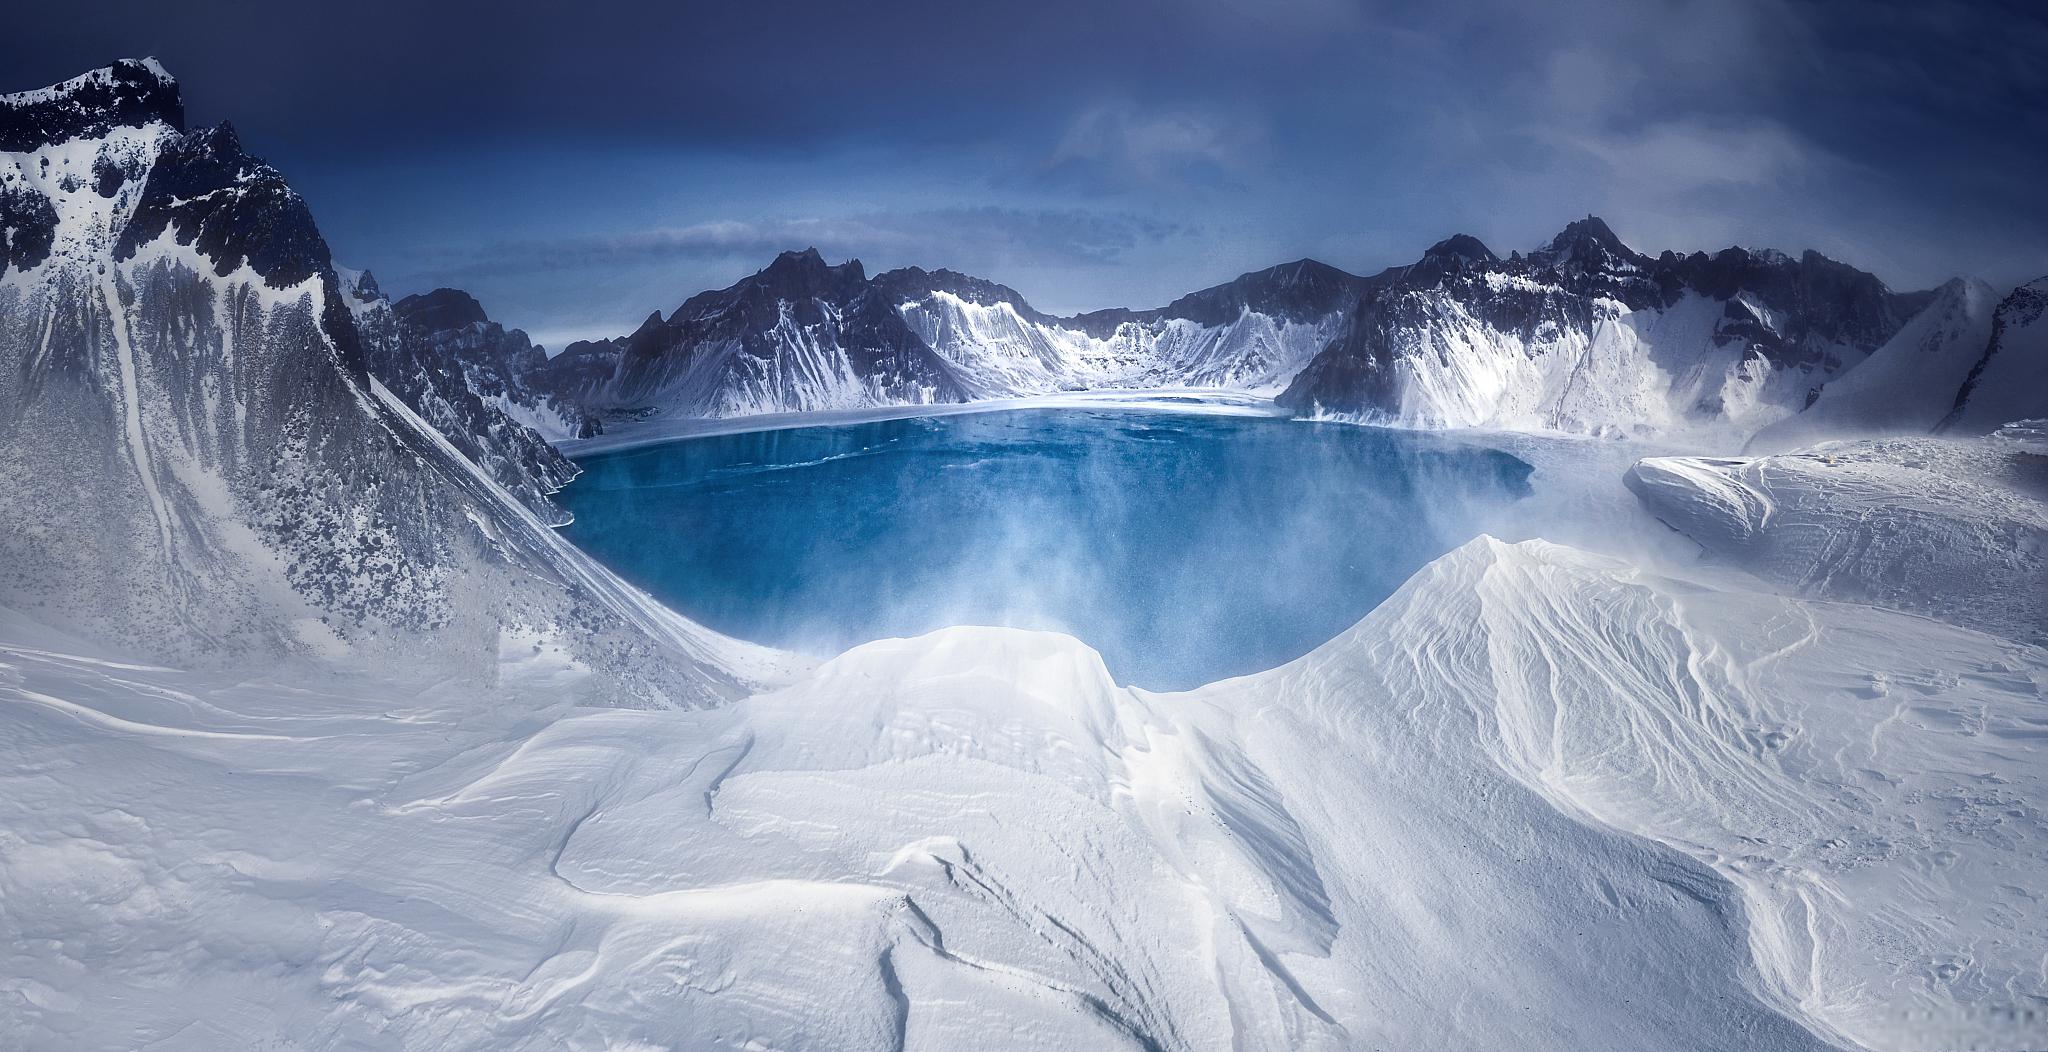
(1587, 244)
(1908, 385)
(131, 93)
(2009, 381)
(1587, 335)
(204, 468)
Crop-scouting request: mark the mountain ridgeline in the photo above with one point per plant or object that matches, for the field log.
(1583, 334)
(296, 461)
(207, 457)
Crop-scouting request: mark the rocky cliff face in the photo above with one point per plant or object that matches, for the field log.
(799, 335)
(202, 465)
(468, 377)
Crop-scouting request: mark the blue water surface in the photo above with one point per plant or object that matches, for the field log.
(1184, 547)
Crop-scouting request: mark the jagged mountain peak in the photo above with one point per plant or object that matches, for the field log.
(653, 324)
(1964, 290)
(797, 260)
(792, 276)
(1593, 228)
(1463, 247)
(1453, 255)
(363, 284)
(808, 265)
(236, 208)
(1298, 272)
(909, 283)
(442, 309)
(1297, 290)
(128, 93)
(1587, 244)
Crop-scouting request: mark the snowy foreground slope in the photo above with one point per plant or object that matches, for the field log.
(1954, 529)
(1537, 800)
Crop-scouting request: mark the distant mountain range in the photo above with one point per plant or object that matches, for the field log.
(281, 428)
(1582, 335)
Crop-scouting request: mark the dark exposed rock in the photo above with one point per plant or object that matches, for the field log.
(1297, 291)
(233, 207)
(128, 94)
(467, 375)
(28, 226)
(442, 310)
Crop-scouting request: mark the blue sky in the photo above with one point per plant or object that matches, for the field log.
(579, 168)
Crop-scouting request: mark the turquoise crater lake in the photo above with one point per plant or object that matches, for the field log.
(1185, 547)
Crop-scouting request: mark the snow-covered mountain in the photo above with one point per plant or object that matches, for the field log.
(467, 376)
(1582, 335)
(292, 755)
(1587, 335)
(804, 335)
(800, 335)
(1250, 334)
(1909, 385)
(201, 465)
(2010, 381)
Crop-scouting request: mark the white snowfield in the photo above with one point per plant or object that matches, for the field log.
(1538, 800)
(1642, 373)
(1912, 382)
(1954, 529)
(1001, 354)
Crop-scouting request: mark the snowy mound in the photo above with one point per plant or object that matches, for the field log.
(1535, 801)
(1954, 529)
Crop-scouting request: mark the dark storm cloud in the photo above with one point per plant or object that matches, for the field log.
(587, 162)
(960, 236)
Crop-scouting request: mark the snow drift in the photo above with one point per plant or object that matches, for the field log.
(1537, 800)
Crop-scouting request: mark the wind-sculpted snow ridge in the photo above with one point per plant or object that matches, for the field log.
(1537, 800)
(201, 467)
(1954, 529)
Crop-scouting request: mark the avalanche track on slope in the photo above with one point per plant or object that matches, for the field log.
(1537, 800)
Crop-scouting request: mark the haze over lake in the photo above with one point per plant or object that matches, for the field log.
(1184, 547)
